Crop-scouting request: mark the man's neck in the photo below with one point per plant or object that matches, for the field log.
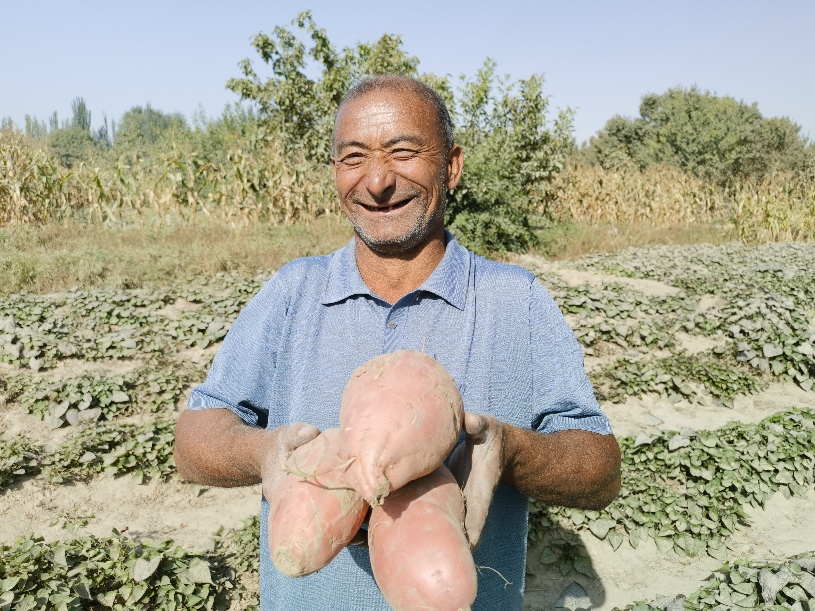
(393, 277)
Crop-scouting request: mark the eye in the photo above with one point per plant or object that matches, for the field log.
(352, 160)
(403, 154)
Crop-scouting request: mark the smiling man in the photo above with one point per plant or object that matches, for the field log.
(533, 426)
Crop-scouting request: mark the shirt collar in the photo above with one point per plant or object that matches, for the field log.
(449, 280)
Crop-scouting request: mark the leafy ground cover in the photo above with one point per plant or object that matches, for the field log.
(767, 313)
(702, 331)
(117, 572)
(88, 398)
(788, 585)
(145, 451)
(680, 376)
(687, 490)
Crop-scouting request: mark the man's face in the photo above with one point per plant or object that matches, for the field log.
(392, 170)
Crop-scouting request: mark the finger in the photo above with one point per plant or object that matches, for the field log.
(360, 539)
(474, 518)
(475, 426)
(300, 433)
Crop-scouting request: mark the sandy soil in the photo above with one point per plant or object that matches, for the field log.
(539, 265)
(784, 527)
(177, 510)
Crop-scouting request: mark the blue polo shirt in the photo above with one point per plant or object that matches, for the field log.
(493, 326)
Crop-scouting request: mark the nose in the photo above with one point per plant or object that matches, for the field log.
(380, 181)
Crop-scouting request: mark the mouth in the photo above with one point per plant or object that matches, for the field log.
(386, 209)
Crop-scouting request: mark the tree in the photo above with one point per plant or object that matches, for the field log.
(81, 115)
(302, 109)
(71, 145)
(141, 127)
(713, 136)
(35, 129)
(511, 151)
(511, 156)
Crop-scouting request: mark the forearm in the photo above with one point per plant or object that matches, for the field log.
(216, 448)
(573, 468)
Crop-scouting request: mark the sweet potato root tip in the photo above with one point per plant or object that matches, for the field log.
(419, 554)
(314, 512)
(401, 415)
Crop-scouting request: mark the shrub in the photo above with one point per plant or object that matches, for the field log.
(716, 137)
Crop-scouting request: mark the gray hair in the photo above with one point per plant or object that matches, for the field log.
(402, 84)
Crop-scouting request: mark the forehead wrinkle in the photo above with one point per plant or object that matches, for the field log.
(385, 108)
(406, 138)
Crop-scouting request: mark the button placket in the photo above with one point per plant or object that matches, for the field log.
(393, 328)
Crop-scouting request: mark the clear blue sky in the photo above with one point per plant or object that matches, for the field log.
(597, 57)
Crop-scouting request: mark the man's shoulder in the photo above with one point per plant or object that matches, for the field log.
(494, 276)
(305, 268)
(299, 278)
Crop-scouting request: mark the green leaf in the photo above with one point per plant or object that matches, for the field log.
(615, 539)
(143, 569)
(198, 571)
(600, 527)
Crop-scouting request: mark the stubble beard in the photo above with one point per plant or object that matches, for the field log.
(419, 233)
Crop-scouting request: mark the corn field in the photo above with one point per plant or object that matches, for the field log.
(781, 208)
(255, 183)
(258, 182)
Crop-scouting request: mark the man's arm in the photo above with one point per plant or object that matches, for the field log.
(216, 448)
(573, 468)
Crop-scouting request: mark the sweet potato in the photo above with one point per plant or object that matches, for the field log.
(312, 517)
(400, 417)
(419, 553)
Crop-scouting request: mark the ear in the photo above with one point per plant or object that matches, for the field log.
(455, 165)
(334, 168)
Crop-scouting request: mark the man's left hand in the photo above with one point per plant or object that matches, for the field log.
(478, 465)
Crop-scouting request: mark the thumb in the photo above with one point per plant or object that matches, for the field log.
(475, 426)
(300, 433)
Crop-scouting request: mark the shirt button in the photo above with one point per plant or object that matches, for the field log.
(391, 325)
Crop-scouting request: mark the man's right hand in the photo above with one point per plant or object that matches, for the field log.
(278, 446)
(215, 447)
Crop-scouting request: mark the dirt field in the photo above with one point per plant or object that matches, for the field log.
(654, 281)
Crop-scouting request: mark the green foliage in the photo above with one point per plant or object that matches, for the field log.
(789, 584)
(767, 310)
(141, 127)
(71, 145)
(614, 314)
(555, 546)
(240, 546)
(676, 377)
(88, 398)
(114, 572)
(107, 324)
(300, 108)
(35, 129)
(81, 115)
(713, 136)
(144, 451)
(19, 458)
(511, 151)
(687, 490)
(511, 156)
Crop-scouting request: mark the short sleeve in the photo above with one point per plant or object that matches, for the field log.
(564, 397)
(242, 372)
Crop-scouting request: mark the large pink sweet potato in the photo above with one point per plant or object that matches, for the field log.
(420, 556)
(312, 517)
(400, 417)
